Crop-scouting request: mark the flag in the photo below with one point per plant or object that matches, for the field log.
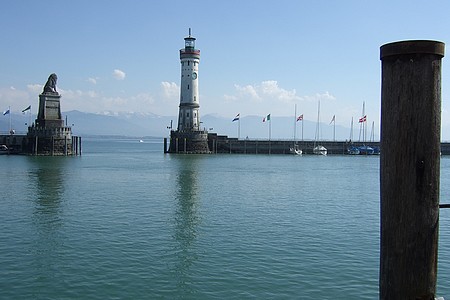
(333, 119)
(6, 112)
(264, 119)
(363, 119)
(268, 117)
(236, 118)
(28, 108)
(300, 118)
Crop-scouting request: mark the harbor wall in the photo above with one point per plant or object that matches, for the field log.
(225, 144)
(41, 145)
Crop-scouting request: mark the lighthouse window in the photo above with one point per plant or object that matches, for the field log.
(188, 62)
(187, 115)
(188, 86)
(195, 98)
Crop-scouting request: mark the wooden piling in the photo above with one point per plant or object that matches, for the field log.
(409, 168)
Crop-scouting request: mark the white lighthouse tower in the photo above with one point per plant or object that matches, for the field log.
(189, 138)
(188, 117)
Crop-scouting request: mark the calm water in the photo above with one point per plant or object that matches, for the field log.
(125, 221)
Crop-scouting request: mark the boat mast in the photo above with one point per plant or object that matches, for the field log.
(317, 125)
(372, 134)
(364, 123)
(351, 131)
(295, 123)
(10, 129)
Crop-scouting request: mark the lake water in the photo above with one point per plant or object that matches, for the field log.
(126, 221)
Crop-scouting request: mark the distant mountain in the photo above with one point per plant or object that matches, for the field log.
(117, 124)
(147, 124)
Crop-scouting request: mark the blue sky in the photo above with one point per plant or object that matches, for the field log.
(257, 57)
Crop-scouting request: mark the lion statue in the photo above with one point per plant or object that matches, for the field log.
(50, 86)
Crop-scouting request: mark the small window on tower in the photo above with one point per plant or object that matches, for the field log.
(188, 62)
(188, 86)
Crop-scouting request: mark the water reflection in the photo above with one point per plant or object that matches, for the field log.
(187, 220)
(48, 174)
(47, 185)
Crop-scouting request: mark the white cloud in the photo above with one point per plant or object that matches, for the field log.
(269, 96)
(35, 88)
(92, 80)
(248, 90)
(267, 90)
(230, 98)
(118, 74)
(14, 98)
(170, 90)
(318, 96)
(272, 89)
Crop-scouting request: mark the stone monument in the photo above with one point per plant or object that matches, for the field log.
(49, 114)
(49, 135)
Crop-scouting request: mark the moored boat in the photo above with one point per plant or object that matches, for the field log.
(295, 150)
(353, 150)
(320, 150)
(366, 150)
(4, 149)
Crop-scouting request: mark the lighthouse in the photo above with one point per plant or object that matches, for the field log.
(188, 116)
(189, 138)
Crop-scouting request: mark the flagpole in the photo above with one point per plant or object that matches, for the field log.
(270, 126)
(295, 123)
(9, 108)
(239, 127)
(302, 130)
(334, 130)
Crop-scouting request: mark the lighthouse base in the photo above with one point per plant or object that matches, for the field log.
(195, 142)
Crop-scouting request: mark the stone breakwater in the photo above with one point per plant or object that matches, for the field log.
(225, 144)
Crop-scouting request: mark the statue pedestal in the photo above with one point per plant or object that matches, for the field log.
(189, 142)
(48, 135)
(49, 114)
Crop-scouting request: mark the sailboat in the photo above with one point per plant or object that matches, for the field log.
(319, 149)
(352, 150)
(376, 150)
(364, 149)
(295, 149)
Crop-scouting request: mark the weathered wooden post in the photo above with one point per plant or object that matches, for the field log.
(409, 168)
